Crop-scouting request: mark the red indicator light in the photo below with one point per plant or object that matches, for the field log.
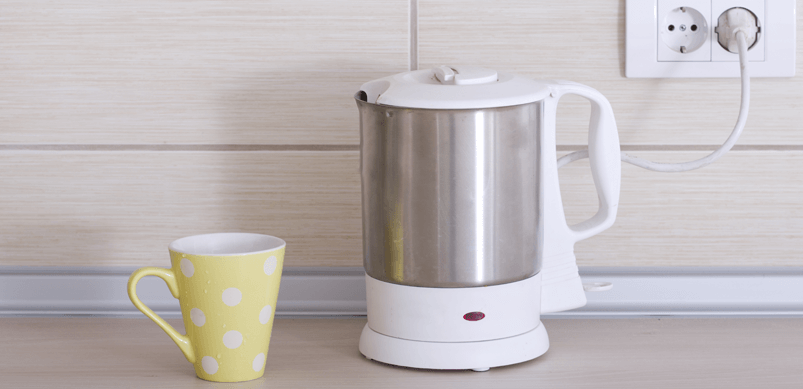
(474, 316)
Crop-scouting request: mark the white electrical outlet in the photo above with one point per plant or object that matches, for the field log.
(678, 38)
(683, 30)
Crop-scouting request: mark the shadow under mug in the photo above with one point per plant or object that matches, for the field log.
(227, 285)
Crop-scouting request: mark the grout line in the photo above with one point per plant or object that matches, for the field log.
(176, 147)
(691, 147)
(413, 34)
(258, 147)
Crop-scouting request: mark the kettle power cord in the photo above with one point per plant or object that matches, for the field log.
(739, 34)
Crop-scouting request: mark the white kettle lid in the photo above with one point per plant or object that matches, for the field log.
(454, 87)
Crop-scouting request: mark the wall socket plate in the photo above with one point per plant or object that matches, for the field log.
(648, 39)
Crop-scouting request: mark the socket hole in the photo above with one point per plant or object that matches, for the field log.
(671, 27)
(694, 27)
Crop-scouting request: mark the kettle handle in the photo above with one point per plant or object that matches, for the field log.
(604, 154)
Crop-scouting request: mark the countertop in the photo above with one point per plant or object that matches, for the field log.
(318, 353)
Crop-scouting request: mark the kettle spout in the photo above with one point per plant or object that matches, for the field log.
(370, 92)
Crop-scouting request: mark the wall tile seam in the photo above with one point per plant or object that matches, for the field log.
(413, 35)
(337, 147)
(178, 147)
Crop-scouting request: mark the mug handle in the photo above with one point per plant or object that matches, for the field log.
(604, 154)
(182, 341)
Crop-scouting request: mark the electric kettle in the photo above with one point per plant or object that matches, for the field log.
(465, 240)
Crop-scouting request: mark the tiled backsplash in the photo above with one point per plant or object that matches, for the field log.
(126, 124)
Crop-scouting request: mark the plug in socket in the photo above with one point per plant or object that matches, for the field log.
(718, 10)
(725, 27)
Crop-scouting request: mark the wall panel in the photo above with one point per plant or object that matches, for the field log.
(215, 72)
(123, 208)
(744, 210)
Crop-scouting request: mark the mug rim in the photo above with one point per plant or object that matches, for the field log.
(173, 244)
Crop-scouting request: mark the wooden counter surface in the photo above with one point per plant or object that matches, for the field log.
(322, 353)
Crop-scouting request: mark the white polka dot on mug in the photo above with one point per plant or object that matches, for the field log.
(232, 296)
(270, 265)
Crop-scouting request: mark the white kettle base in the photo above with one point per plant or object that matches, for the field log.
(477, 356)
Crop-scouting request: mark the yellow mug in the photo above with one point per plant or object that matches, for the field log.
(227, 285)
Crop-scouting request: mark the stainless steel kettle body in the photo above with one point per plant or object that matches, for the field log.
(452, 197)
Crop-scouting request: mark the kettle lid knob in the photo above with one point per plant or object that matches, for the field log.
(465, 75)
